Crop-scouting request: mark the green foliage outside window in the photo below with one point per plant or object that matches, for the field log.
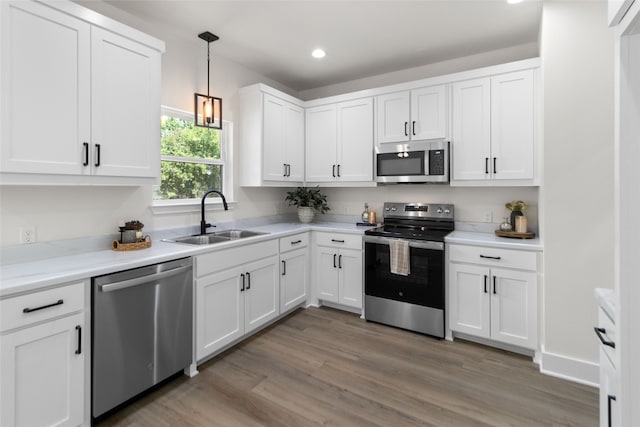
(188, 175)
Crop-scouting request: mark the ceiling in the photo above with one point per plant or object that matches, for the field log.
(362, 38)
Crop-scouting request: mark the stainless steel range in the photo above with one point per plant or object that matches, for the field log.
(414, 298)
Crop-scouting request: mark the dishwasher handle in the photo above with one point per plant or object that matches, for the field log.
(144, 279)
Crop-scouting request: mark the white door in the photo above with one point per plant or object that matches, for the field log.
(428, 113)
(393, 118)
(355, 140)
(512, 125)
(469, 308)
(273, 128)
(294, 273)
(294, 142)
(125, 106)
(262, 292)
(321, 139)
(45, 90)
(327, 273)
(42, 375)
(471, 139)
(513, 307)
(350, 277)
(219, 311)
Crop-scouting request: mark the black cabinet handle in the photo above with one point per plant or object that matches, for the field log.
(405, 129)
(31, 310)
(490, 257)
(284, 169)
(413, 128)
(334, 260)
(79, 348)
(599, 332)
(334, 171)
(97, 163)
(86, 154)
(288, 170)
(284, 268)
(340, 261)
(495, 170)
(296, 242)
(609, 399)
(494, 285)
(486, 165)
(248, 280)
(338, 171)
(242, 288)
(485, 283)
(337, 240)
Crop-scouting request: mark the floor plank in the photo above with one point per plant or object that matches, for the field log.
(328, 367)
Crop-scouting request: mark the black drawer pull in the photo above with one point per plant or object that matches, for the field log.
(31, 310)
(490, 257)
(296, 242)
(79, 348)
(337, 240)
(599, 332)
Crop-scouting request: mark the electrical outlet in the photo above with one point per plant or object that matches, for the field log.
(27, 234)
(488, 216)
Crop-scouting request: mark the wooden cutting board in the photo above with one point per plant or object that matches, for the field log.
(515, 234)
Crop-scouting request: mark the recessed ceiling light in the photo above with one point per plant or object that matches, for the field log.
(318, 53)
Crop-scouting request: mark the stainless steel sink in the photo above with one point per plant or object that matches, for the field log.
(217, 237)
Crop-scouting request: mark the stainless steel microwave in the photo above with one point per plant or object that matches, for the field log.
(422, 162)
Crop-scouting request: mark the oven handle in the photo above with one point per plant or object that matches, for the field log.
(420, 244)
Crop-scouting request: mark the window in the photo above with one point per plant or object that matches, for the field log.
(192, 159)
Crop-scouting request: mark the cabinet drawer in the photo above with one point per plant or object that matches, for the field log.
(296, 241)
(41, 305)
(608, 333)
(507, 258)
(338, 240)
(227, 258)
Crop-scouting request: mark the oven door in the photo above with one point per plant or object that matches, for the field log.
(423, 286)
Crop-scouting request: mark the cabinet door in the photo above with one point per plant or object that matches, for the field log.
(321, 136)
(294, 273)
(274, 132)
(512, 125)
(327, 273)
(471, 139)
(393, 117)
(262, 293)
(428, 113)
(42, 374)
(125, 106)
(45, 90)
(294, 142)
(355, 140)
(513, 307)
(608, 392)
(469, 307)
(350, 277)
(219, 311)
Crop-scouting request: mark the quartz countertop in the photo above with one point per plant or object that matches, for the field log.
(491, 240)
(54, 264)
(606, 299)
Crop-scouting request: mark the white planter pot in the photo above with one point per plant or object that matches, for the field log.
(305, 214)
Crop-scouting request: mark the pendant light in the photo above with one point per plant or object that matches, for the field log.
(208, 109)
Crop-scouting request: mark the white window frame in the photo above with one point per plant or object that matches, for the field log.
(226, 160)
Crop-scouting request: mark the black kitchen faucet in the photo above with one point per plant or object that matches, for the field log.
(203, 223)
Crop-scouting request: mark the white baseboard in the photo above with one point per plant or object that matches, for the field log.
(571, 369)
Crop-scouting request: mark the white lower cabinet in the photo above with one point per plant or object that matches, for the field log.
(237, 291)
(489, 301)
(43, 353)
(294, 271)
(338, 268)
(607, 334)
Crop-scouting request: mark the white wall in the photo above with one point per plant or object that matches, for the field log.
(577, 195)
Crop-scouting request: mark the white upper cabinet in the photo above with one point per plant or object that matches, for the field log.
(494, 126)
(78, 98)
(414, 115)
(271, 128)
(339, 140)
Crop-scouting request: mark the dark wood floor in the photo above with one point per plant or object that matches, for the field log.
(327, 367)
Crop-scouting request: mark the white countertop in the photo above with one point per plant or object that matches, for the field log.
(606, 299)
(54, 264)
(491, 240)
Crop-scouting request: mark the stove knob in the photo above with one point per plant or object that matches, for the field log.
(439, 210)
(386, 209)
(447, 211)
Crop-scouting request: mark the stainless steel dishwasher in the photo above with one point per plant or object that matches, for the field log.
(142, 330)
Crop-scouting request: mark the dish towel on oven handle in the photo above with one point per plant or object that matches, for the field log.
(399, 257)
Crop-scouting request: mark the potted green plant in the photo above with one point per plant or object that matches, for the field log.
(307, 200)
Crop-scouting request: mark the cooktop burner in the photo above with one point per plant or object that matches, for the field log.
(417, 221)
